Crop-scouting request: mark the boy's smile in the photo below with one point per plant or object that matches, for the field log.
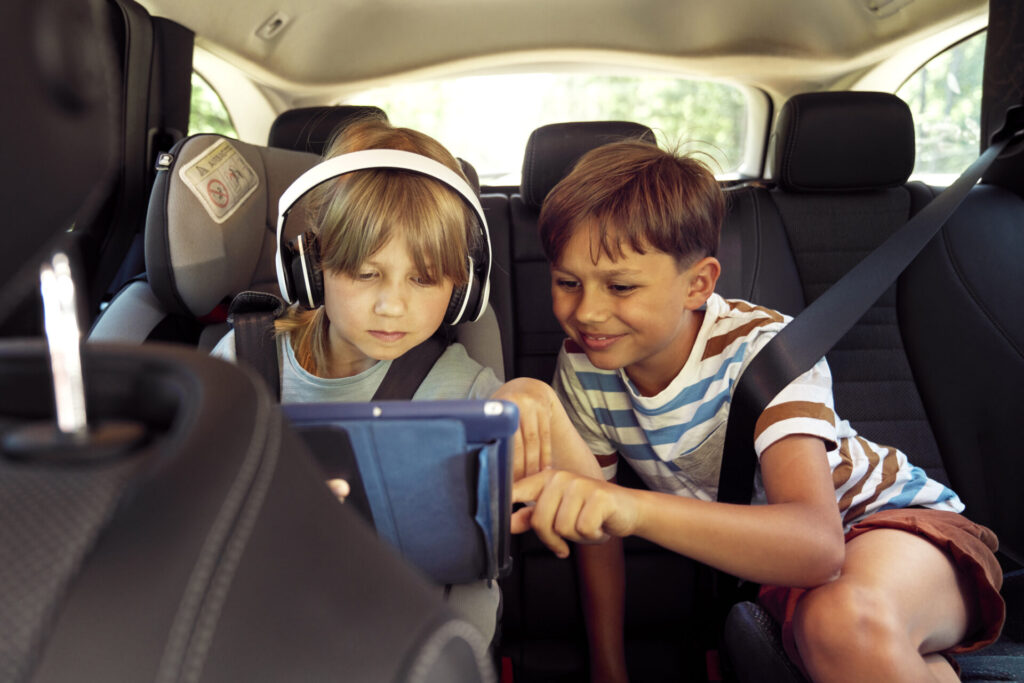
(639, 312)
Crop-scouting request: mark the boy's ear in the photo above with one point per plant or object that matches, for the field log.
(703, 278)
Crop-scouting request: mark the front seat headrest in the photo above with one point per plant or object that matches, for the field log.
(59, 121)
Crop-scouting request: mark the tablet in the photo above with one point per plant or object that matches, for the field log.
(433, 477)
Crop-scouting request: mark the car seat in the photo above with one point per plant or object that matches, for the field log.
(200, 255)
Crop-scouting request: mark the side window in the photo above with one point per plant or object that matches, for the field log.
(208, 114)
(945, 97)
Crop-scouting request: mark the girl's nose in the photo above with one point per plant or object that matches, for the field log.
(390, 302)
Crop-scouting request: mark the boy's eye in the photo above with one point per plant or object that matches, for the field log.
(621, 289)
(567, 284)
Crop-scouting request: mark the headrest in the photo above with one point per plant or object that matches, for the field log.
(838, 141)
(59, 83)
(309, 129)
(553, 150)
(210, 229)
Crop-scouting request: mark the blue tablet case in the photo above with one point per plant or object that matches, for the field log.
(434, 477)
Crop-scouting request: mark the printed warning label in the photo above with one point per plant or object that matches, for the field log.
(221, 178)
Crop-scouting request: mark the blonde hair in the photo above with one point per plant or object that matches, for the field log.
(357, 214)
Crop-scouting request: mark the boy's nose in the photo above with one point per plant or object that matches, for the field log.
(592, 308)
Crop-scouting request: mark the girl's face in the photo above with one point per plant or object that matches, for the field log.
(386, 309)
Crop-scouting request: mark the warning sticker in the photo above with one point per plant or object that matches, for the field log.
(221, 178)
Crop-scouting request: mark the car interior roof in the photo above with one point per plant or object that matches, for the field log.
(297, 48)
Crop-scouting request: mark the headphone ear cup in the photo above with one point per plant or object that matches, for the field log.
(452, 315)
(304, 269)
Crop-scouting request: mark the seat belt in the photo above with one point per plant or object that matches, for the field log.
(253, 313)
(812, 333)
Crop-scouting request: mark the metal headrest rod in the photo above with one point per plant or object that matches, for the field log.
(70, 437)
(63, 338)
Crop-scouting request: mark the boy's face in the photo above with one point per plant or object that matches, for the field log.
(638, 312)
(387, 308)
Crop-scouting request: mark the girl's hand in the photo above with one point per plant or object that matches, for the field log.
(340, 488)
(574, 508)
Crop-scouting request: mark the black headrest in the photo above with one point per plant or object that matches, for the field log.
(59, 118)
(843, 141)
(553, 150)
(309, 129)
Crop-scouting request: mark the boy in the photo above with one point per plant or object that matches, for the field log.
(647, 374)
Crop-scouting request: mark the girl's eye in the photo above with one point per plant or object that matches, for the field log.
(366, 275)
(424, 280)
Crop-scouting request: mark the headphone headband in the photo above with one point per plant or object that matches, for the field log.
(371, 159)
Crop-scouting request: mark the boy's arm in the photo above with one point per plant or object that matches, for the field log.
(602, 575)
(794, 540)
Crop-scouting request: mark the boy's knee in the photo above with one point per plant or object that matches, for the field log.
(840, 620)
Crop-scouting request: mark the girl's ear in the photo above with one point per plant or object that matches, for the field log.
(703, 276)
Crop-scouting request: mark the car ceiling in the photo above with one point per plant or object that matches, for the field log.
(333, 42)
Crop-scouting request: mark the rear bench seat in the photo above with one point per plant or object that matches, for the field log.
(841, 164)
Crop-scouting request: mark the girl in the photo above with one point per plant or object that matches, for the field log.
(393, 246)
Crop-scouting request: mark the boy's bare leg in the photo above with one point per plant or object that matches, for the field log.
(897, 601)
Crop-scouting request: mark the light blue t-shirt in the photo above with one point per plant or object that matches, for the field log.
(454, 376)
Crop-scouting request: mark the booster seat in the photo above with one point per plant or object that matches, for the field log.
(210, 234)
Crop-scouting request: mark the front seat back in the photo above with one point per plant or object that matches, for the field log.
(186, 534)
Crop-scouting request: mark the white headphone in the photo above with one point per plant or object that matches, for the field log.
(298, 268)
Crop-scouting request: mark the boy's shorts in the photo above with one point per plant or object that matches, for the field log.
(970, 546)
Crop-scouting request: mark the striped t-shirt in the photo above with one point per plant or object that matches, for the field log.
(674, 440)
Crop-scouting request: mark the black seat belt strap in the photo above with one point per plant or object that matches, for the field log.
(811, 334)
(409, 370)
(252, 315)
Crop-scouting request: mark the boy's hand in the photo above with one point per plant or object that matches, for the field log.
(536, 402)
(572, 507)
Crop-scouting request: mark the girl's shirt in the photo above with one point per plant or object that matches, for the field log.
(674, 440)
(454, 376)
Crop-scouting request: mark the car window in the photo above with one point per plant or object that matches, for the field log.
(945, 98)
(488, 119)
(208, 113)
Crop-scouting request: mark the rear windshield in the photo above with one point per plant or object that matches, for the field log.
(488, 119)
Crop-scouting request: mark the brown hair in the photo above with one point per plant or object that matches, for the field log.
(357, 214)
(633, 192)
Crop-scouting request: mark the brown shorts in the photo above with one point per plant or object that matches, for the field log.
(971, 547)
